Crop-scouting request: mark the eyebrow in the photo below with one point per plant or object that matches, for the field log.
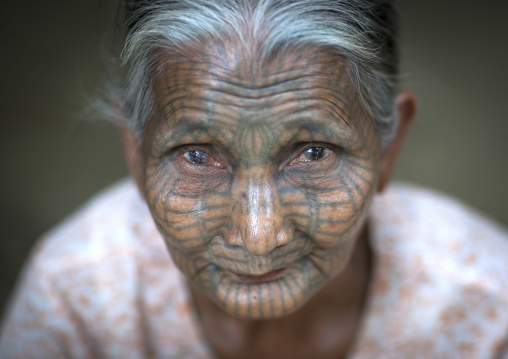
(325, 130)
(300, 128)
(189, 127)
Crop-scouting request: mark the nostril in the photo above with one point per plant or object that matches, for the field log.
(234, 238)
(284, 236)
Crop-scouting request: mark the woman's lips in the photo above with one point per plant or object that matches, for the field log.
(261, 278)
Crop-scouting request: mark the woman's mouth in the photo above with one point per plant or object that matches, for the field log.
(267, 277)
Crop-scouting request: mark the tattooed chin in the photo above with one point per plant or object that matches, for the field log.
(270, 294)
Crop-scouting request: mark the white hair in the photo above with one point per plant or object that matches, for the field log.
(363, 32)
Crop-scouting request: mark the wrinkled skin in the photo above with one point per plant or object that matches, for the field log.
(259, 177)
(254, 170)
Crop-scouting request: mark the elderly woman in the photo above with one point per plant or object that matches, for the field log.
(260, 135)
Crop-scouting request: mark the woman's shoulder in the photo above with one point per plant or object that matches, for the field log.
(419, 205)
(439, 284)
(111, 241)
(111, 224)
(106, 269)
(443, 234)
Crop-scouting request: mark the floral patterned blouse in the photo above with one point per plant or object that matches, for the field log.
(102, 285)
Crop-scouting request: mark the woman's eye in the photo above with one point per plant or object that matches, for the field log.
(314, 154)
(196, 157)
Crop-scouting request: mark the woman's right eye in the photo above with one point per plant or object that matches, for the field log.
(196, 157)
(200, 158)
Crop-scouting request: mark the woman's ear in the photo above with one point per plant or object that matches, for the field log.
(406, 108)
(131, 145)
(132, 153)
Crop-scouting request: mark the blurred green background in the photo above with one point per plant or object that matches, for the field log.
(454, 58)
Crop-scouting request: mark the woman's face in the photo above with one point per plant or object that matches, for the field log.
(259, 178)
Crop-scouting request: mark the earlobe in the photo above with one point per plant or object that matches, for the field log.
(406, 107)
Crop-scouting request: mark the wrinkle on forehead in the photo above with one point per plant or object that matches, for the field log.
(243, 65)
(309, 89)
(245, 69)
(288, 76)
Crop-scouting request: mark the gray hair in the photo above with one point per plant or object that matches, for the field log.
(363, 32)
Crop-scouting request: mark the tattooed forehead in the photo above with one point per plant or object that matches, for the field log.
(306, 90)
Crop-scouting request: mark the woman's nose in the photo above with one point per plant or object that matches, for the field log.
(258, 216)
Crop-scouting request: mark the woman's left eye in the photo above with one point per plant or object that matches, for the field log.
(312, 154)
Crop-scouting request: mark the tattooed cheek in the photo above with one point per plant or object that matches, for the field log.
(197, 187)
